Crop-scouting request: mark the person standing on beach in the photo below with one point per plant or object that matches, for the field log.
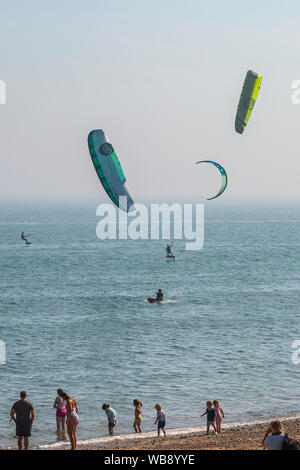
(274, 437)
(160, 419)
(210, 413)
(137, 415)
(219, 415)
(61, 411)
(22, 413)
(111, 416)
(72, 418)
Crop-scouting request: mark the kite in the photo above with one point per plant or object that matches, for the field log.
(224, 177)
(247, 100)
(109, 170)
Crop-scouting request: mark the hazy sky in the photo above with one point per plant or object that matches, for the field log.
(163, 79)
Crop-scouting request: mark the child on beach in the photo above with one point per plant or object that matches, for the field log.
(111, 416)
(210, 413)
(219, 415)
(160, 419)
(137, 415)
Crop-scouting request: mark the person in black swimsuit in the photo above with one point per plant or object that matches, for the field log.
(159, 295)
(24, 237)
(168, 250)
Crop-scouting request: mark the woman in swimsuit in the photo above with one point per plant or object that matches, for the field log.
(137, 415)
(61, 411)
(72, 419)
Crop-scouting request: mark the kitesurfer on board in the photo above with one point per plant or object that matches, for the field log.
(24, 237)
(159, 295)
(169, 251)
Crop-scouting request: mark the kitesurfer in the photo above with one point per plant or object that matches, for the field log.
(24, 237)
(159, 295)
(169, 251)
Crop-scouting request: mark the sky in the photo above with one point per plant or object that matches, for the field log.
(162, 78)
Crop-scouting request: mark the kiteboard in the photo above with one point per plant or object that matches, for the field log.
(153, 301)
(170, 256)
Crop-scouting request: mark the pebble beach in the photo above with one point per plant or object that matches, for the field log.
(233, 437)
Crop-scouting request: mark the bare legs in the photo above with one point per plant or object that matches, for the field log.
(163, 430)
(137, 426)
(111, 430)
(72, 426)
(20, 443)
(208, 428)
(60, 423)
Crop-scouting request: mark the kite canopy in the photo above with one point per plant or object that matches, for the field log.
(109, 169)
(224, 177)
(247, 100)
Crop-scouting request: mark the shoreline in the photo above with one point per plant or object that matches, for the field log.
(177, 438)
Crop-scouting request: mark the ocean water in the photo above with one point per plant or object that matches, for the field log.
(73, 315)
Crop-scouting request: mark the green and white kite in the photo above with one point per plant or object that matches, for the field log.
(224, 177)
(109, 170)
(247, 100)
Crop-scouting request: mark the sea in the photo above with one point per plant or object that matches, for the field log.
(73, 314)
